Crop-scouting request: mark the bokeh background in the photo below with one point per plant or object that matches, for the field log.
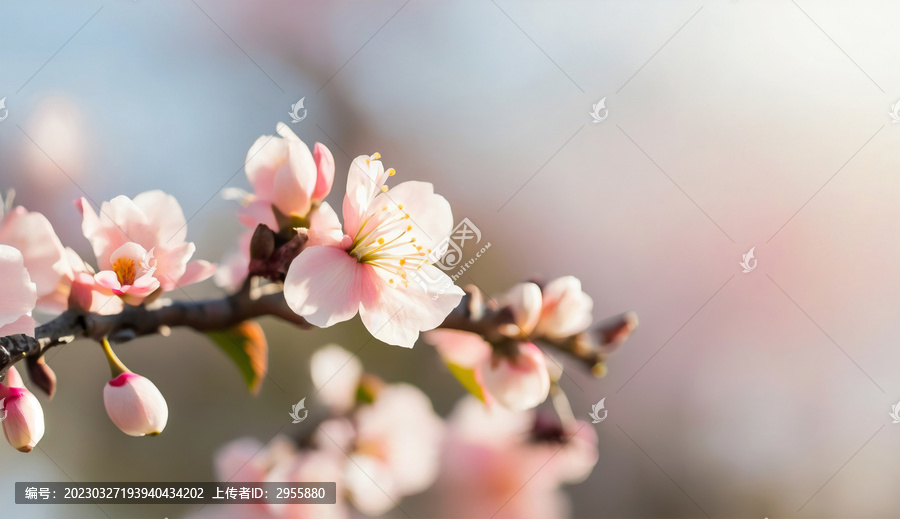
(731, 125)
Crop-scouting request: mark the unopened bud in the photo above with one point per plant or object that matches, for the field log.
(262, 244)
(42, 375)
(135, 405)
(23, 418)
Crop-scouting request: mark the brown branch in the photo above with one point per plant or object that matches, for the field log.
(472, 315)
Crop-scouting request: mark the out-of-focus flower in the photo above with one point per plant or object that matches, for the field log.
(494, 459)
(520, 381)
(19, 294)
(285, 176)
(516, 377)
(235, 266)
(335, 373)
(23, 420)
(135, 405)
(388, 234)
(565, 309)
(44, 255)
(131, 275)
(397, 449)
(154, 221)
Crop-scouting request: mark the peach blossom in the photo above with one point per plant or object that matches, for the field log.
(285, 176)
(565, 309)
(131, 276)
(154, 221)
(19, 294)
(387, 236)
(23, 423)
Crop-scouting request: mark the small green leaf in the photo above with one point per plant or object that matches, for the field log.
(246, 345)
(466, 377)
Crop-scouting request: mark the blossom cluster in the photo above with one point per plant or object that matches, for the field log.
(329, 269)
(381, 442)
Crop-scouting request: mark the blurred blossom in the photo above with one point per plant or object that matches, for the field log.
(335, 374)
(497, 463)
(382, 444)
(57, 127)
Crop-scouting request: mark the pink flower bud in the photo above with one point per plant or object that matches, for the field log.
(520, 383)
(135, 405)
(13, 379)
(324, 171)
(23, 418)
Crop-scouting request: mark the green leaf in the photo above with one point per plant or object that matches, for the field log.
(246, 345)
(466, 377)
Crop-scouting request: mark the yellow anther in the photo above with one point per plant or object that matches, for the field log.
(409, 227)
(384, 189)
(376, 155)
(400, 206)
(402, 261)
(380, 241)
(392, 172)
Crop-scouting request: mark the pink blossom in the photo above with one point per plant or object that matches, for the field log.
(23, 420)
(516, 379)
(565, 309)
(45, 257)
(135, 405)
(285, 176)
(493, 458)
(131, 275)
(519, 382)
(388, 234)
(154, 221)
(19, 294)
(397, 449)
(335, 374)
(235, 266)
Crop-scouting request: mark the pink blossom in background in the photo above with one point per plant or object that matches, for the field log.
(493, 459)
(366, 271)
(154, 221)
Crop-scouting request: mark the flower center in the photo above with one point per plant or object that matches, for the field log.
(125, 270)
(384, 241)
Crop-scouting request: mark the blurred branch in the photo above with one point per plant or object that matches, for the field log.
(591, 347)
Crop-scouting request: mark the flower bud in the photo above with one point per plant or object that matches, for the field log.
(42, 375)
(135, 405)
(517, 383)
(324, 171)
(23, 418)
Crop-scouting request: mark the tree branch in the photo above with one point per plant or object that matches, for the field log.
(472, 315)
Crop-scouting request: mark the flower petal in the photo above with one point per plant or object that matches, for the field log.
(324, 227)
(19, 293)
(196, 271)
(164, 214)
(325, 285)
(362, 186)
(294, 184)
(524, 299)
(429, 214)
(521, 383)
(396, 314)
(464, 349)
(324, 171)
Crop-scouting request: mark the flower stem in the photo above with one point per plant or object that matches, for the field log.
(116, 367)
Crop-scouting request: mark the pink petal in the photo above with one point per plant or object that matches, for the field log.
(171, 264)
(44, 254)
(294, 184)
(325, 285)
(257, 212)
(108, 279)
(324, 171)
(324, 227)
(164, 214)
(429, 214)
(24, 324)
(362, 186)
(19, 293)
(395, 315)
(524, 299)
(521, 383)
(266, 155)
(566, 309)
(464, 349)
(196, 271)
